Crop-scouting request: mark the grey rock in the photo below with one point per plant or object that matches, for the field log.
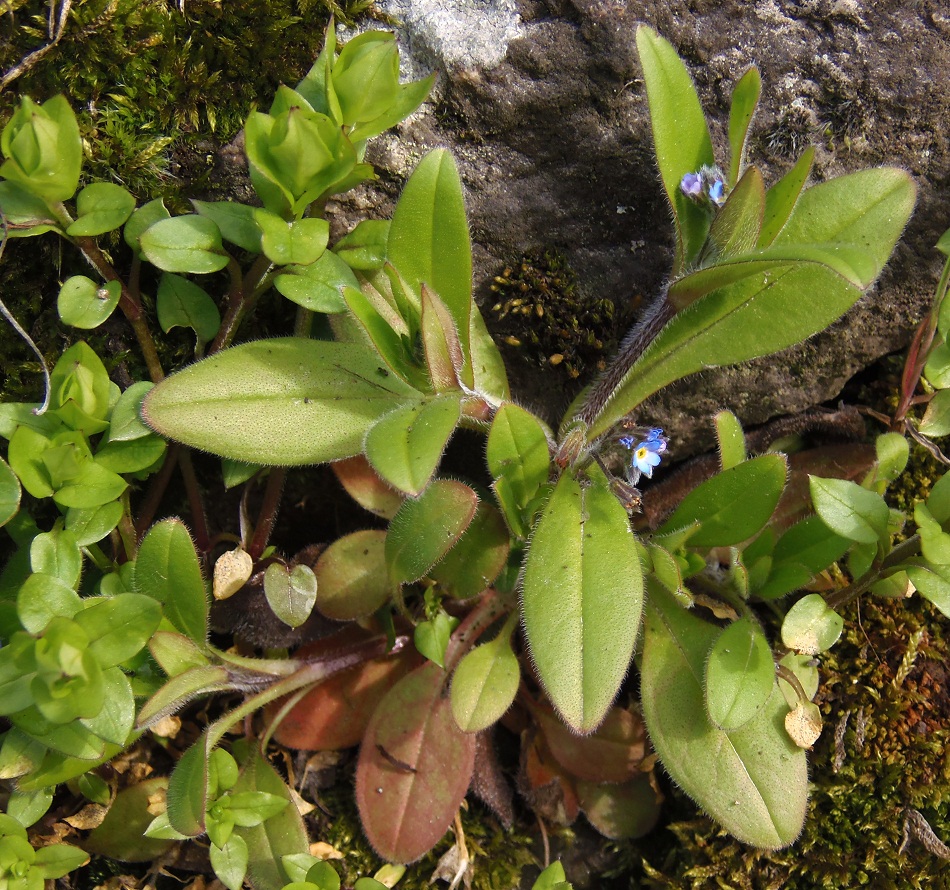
(554, 147)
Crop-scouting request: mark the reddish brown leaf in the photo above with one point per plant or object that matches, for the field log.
(611, 754)
(414, 768)
(366, 488)
(621, 811)
(334, 714)
(547, 787)
(489, 782)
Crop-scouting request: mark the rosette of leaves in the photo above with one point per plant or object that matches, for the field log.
(753, 273)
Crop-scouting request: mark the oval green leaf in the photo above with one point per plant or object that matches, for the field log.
(428, 527)
(84, 304)
(278, 402)
(167, 569)
(753, 781)
(352, 581)
(733, 505)
(189, 243)
(811, 626)
(485, 684)
(406, 445)
(582, 594)
(290, 594)
(740, 675)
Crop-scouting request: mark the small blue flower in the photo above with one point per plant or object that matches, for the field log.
(691, 185)
(717, 192)
(707, 186)
(647, 454)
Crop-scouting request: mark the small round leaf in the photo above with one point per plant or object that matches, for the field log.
(84, 304)
(811, 627)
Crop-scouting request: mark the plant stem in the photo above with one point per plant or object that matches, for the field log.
(129, 302)
(891, 563)
(268, 512)
(632, 347)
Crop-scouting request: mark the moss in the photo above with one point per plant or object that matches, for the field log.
(497, 856)
(144, 74)
(540, 313)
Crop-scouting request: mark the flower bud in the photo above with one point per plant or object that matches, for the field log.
(43, 149)
(300, 151)
(366, 77)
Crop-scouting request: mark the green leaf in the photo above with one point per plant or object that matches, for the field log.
(119, 627)
(43, 149)
(550, 878)
(582, 581)
(811, 626)
(429, 241)
(181, 303)
(28, 807)
(278, 402)
(58, 860)
(733, 505)
(387, 333)
(849, 510)
(26, 460)
(167, 569)
(485, 684)
(281, 835)
(731, 440)
(893, 451)
(187, 796)
(43, 597)
(101, 207)
(80, 389)
(300, 242)
(9, 493)
(146, 216)
(57, 553)
(736, 227)
(853, 222)
(806, 549)
(781, 198)
(26, 213)
(427, 527)
(933, 584)
(230, 862)
(364, 249)
(518, 451)
(745, 97)
(189, 243)
(406, 446)
(290, 594)
(936, 419)
(352, 581)
(131, 457)
(319, 286)
(740, 675)
(182, 687)
(431, 638)
(91, 487)
(680, 137)
(235, 222)
(90, 525)
(84, 304)
(115, 720)
(473, 564)
(867, 209)
(408, 98)
(124, 422)
(753, 781)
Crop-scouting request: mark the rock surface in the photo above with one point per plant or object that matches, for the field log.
(544, 107)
